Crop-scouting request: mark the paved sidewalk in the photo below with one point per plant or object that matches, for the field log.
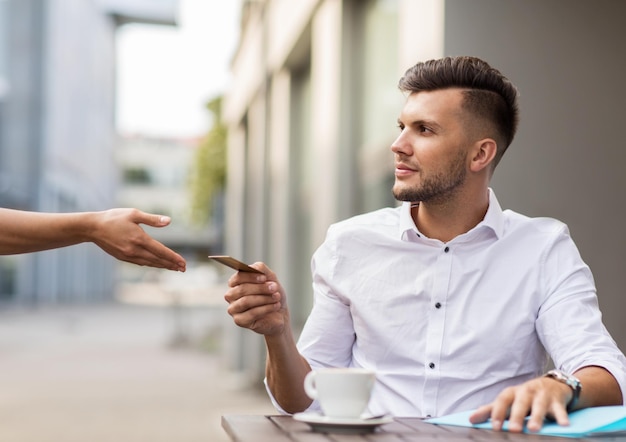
(112, 373)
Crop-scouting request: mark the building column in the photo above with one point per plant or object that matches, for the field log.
(326, 107)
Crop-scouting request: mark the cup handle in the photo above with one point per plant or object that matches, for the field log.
(309, 385)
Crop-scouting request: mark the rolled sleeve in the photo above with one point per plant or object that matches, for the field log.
(570, 322)
(313, 407)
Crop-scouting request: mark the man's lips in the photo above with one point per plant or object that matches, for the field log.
(404, 170)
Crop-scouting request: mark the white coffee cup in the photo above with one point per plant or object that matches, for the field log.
(341, 392)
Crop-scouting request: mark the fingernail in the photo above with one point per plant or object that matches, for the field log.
(496, 424)
(272, 287)
(164, 219)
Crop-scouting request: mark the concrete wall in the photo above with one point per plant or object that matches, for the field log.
(568, 61)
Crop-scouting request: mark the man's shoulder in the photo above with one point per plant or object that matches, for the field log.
(515, 221)
(388, 216)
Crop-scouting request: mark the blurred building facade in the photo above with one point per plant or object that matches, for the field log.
(57, 80)
(312, 112)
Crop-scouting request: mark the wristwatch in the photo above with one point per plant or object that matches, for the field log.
(569, 380)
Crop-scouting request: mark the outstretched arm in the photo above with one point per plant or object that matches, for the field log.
(115, 231)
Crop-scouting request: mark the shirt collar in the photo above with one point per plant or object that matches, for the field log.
(494, 219)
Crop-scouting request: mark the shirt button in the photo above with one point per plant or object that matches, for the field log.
(438, 305)
(431, 365)
(447, 249)
(428, 415)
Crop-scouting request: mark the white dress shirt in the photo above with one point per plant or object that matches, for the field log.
(447, 326)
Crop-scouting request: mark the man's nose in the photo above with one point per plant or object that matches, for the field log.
(401, 145)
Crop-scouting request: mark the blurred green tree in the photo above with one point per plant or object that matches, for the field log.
(208, 174)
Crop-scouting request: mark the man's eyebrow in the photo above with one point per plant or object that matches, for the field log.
(425, 122)
(420, 122)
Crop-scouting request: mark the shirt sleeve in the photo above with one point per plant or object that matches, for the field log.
(569, 322)
(328, 335)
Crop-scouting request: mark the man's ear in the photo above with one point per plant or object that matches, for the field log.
(484, 154)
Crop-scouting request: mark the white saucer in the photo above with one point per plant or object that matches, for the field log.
(325, 424)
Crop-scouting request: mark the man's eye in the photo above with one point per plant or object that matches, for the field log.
(401, 126)
(424, 129)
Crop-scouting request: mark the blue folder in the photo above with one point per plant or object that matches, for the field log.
(597, 421)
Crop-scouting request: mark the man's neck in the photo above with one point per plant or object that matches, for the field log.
(447, 220)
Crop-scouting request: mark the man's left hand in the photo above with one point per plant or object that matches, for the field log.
(538, 398)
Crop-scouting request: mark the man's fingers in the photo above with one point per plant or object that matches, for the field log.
(242, 303)
(527, 405)
(519, 410)
(500, 408)
(560, 414)
(250, 302)
(239, 278)
(538, 413)
(247, 315)
(249, 290)
(482, 414)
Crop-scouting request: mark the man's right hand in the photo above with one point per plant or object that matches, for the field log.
(258, 302)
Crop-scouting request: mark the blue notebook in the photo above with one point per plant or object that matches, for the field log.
(597, 421)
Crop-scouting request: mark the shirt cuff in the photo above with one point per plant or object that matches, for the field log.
(312, 408)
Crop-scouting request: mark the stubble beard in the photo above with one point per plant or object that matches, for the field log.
(436, 188)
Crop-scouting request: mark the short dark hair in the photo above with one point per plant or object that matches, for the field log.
(487, 93)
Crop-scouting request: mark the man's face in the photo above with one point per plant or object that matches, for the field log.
(431, 151)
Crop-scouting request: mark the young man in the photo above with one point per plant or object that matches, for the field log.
(115, 231)
(453, 302)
